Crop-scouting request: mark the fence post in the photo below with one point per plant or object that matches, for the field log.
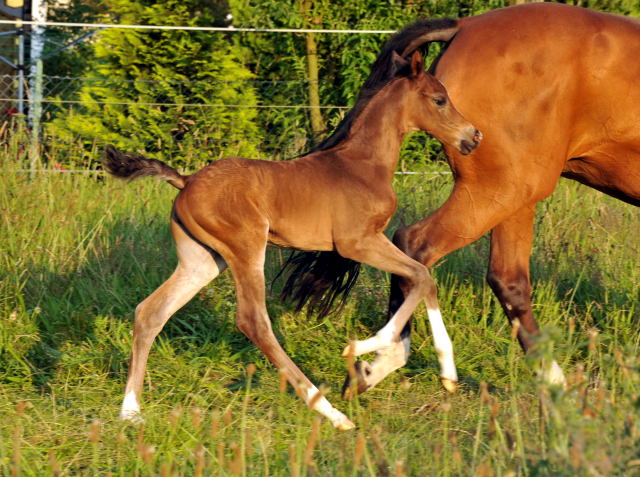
(39, 15)
(35, 111)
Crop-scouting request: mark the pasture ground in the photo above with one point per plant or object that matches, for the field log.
(80, 251)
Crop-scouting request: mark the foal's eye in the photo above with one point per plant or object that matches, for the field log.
(440, 100)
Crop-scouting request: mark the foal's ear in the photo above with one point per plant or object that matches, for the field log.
(400, 65)
(417, 64)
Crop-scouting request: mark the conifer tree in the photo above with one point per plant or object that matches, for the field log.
(151, 91)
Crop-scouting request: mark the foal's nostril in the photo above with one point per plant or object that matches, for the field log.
(477, 137)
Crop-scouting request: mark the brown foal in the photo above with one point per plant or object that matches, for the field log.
(337, 199)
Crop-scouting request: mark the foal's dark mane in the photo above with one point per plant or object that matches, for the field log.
(323, 280)
(383, 70)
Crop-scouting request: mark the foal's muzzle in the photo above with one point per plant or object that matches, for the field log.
(468, 145)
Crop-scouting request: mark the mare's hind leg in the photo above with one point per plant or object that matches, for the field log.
(508, 276)
(197, 266)
(253, 320)
(392, 349)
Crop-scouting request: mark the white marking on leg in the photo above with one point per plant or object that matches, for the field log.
(314, 399)
(387, 361)
(443, 345)
(130, 410)
(383, 339)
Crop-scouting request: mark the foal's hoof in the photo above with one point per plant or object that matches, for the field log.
(359, 385)
(449, 384)
(132, 417)
(345, 425)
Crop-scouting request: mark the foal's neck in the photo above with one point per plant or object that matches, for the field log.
(376, 135)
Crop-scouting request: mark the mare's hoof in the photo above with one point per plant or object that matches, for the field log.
(358, 385)
(449, 384)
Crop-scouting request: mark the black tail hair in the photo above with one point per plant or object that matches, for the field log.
(131, 166)
(321, 280)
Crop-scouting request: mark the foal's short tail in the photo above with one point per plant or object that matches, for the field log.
(321, 280)
(131, 166)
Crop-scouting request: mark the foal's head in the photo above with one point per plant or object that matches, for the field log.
(428, 107)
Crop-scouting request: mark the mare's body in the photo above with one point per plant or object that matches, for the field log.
(556, 91)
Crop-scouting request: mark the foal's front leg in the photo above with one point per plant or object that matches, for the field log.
(379, 252)
(253, 320)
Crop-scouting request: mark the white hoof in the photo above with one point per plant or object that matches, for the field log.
(134, 417)
(344, 425)
(449, 384)
(553, 375)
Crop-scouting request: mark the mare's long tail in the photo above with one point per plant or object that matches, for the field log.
(131, 166)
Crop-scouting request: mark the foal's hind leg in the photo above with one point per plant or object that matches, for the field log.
(197, 266)
(253, 320)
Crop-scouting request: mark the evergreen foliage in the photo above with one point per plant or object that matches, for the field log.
(169, 69)
(243, 69)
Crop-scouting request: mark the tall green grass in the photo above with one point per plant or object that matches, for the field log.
(80, 251)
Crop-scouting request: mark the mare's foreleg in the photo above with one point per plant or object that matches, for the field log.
(508, 277)
(197, 266)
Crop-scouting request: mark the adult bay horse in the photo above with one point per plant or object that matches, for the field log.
(338, 199)
(556, 91)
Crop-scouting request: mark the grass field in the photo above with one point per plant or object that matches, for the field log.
(80, 251)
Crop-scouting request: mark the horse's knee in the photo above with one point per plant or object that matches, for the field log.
(149, 319)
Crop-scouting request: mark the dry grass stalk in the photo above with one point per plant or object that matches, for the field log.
(282, 386)
(227, 417)
(351, 364)
(251, 369)
(484, 470)
(576, 454)
(293, 466)
(140, 443)
(495, 408)
(17, 451)
(381, 458)
(237, 464)
(200, 461)
(593, 337)
(215, 425)
(53, 463)
(248, 446)
(147, 453)
(174, 416)
(317, 396)
(165, 470)
(94, 431)
(361, 443)
(220, 454)
(515, 328)
(311, 443)
(485, 397)
(399, 469)
(196, 417)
